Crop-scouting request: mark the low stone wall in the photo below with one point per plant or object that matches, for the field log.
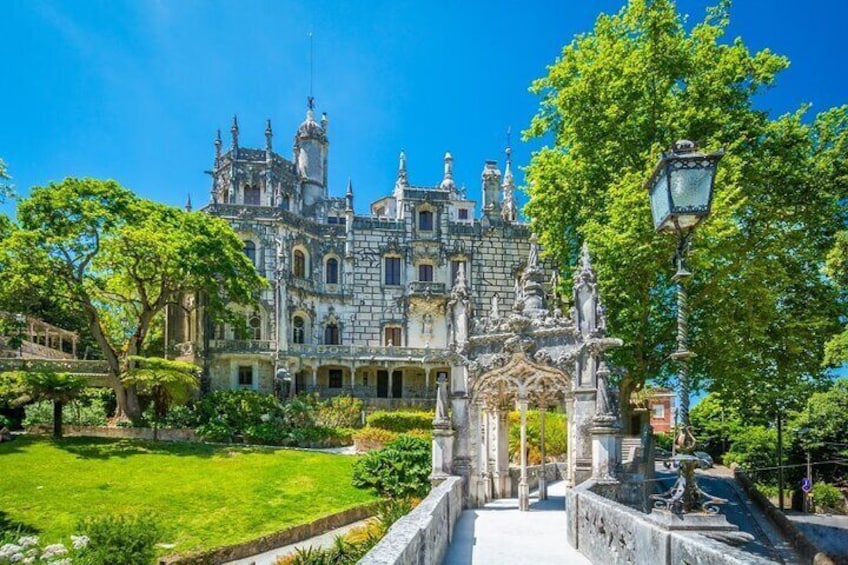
(282, 538)
(422, 536)
(796, 537)
(164, 434)
(553, 472)
(611, 533)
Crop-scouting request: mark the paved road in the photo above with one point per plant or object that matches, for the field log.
(498, 534)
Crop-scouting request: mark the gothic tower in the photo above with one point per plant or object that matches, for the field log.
(310, 157)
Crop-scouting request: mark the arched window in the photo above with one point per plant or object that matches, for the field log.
(250, 251)
(332, 275)
(425, 220)
(299, 263)
(298, 329)
(251, 194)
(331, 334)
(255, 326)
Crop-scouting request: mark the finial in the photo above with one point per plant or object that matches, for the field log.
(402, 179)
(324, 121)
(235, 131)
(460, 285)
(447, 182)
(188, 203)
(310, 103)
(349, 195)
(218, 144)
(268, 135)
(585, 258)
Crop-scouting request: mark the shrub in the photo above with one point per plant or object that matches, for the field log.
(664, 440)
(401, 469)
(556, 438)
(374, 434)
(129, 540)
(5, 422)
(339, 412)
(753, 448)
(828, 498)
(76, 413)
(225, 414)
(401, 421)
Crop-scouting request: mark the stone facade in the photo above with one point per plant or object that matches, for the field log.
(355, 303)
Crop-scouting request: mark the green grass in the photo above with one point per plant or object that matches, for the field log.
(204, 496)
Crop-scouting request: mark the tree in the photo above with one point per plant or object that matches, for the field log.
(6, 190)
(165, 381)
(821, 429)
(716, 422)
(614, 100)
(120, 259)
(58, 388)
(836, 350)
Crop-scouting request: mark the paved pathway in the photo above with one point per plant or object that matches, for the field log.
(323, 541)
(499, 534)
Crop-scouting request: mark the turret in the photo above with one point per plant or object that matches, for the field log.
(509, 211)
(234, 130)
(310, 156)
(447, 181)
(491, 178)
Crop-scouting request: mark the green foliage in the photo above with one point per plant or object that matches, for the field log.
(760, 311)
(665, 440)
(257, 417)
(715, 422)
(378, 435)
(828, 498)
(836, 267)
(754, 448)
(400, 470)
(165, 381)
(339, 412)
(76, 413)
(556, 438)
(821, 429)
(129, 540)
(401, 421)
(118, 259)
(6, 190)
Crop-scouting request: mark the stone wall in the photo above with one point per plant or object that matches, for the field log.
(422, 536)
(553, 471)
(607, 532)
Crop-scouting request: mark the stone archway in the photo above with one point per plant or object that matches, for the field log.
(530, 355)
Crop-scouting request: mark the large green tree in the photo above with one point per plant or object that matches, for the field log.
(836, 350)
(615, 99)
(120, 259)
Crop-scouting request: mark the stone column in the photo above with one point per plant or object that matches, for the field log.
(443, 436)
(485, 455)
(460, 424)
(501, 479)
(352, 377)
(543, 479)
(314, 376)
(427, 379)
(523, 487)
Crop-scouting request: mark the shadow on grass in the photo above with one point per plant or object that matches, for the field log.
(12, 528)
(105, 448)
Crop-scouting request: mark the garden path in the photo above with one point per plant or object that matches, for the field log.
(323, 541)
(499, 533)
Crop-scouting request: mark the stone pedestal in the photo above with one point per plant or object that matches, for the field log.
(606, 435)
(442, 452)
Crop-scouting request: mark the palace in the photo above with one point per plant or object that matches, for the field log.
(355, 304)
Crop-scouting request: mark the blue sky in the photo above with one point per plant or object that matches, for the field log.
(135, 90)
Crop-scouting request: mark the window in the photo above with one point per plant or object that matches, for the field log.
(255, 326)
(250, 251)
(299, 264)
(425, 220)
(251, 195)
(393, 336)
(332, 274)
(393, 270)
(658, 411)
(335, 378)
(298, 328)
(245, 376)
(331, 334)
(463, 213)
(455, 270)
(219, 331)
(332, 220)
(286, 204)
(425, 273)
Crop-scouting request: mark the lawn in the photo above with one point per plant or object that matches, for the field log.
(205, 496)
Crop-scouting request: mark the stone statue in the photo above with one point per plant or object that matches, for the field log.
(441, 399)
(427, 325)
(459, 311)
(603, 406)
(495, 313)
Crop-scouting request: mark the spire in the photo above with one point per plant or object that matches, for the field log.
(349, 195)
(218, 146)
(447, 182)
(509, 212)
(402, 178)
(235, 132)
(188, 203)
(268, 135)
(324, 121)
(460, 285)
(532, 290)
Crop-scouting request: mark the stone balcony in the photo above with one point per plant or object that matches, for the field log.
(421, 288)
(365, 352)
(241, 346)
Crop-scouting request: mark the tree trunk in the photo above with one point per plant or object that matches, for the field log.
(57, 419)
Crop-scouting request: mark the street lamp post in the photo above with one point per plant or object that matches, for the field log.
(681, 192)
